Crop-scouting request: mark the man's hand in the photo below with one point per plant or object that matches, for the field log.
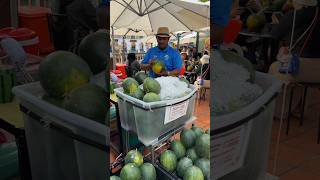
(163, 73)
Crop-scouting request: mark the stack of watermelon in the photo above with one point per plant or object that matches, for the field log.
(188, 157)
(65, 78)
(135, 168)
(150, 91)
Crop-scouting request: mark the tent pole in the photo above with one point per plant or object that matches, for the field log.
(197, 45)
(113, 48)
(178, 37)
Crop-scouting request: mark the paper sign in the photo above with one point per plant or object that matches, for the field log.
(176, 111)
(229, 149)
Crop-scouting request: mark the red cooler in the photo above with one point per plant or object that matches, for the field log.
(122, 68)
(35, 18)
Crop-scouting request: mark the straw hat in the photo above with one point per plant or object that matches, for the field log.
(163, 32)
(205, 59)
(306, 2)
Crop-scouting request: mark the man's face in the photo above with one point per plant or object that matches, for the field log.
(162, 42)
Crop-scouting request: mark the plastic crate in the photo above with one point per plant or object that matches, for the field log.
(240, 140)
(152, 120)
(61, 144)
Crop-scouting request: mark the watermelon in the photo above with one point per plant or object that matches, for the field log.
(183, 165)
(140, 77)
(158, 66)
(130, 86)
(151, 97)
(139, 94)
(178, 148)
(134, 156)
(89, 101)
(193, 173)
(188, 138)
(54, 101)
(151, 85)
(191, 153)
(94, 50)
(202, 146)
(256, 22)
(115, 178)
(130, 172)
(148, 172)
(61, 72)
(168, 160)
(204, 165)
(232, 57)
(198, 131)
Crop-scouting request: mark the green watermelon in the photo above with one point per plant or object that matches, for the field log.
(139, 94)
(151, 97)
(202, 146)
(204, 165)
(193, 173)
(115, 178)
(61, 72)
(130, 86)
(198, 131)
(151, 85)
(130, 172)
(183, 165)
(188, 138)
(158, 66)
(89, 101)
(256, 22)
(232, 57)
(178, 148)
(140, 77)
(277, 5)
(168, 160)
(94, 50)
(148, 172)
(191, 153)
(134, 156)
(54, 101)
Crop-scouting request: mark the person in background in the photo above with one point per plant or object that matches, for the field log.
(163, 52)
(203, 70)
(133, 65)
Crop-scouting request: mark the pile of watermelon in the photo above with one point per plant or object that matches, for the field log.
(189, 157)
(136, 169)
(148, 89)
(65, 78)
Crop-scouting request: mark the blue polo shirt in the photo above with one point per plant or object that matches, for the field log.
(169, 56)
(220, 12)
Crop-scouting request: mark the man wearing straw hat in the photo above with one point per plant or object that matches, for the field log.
(163, 52)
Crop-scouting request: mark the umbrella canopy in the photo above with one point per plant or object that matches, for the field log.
(149, 15)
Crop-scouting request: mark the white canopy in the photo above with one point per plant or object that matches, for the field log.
(148, 15)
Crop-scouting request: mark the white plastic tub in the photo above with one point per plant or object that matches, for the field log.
(51, 134)
(152, 120)
(240, 140)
